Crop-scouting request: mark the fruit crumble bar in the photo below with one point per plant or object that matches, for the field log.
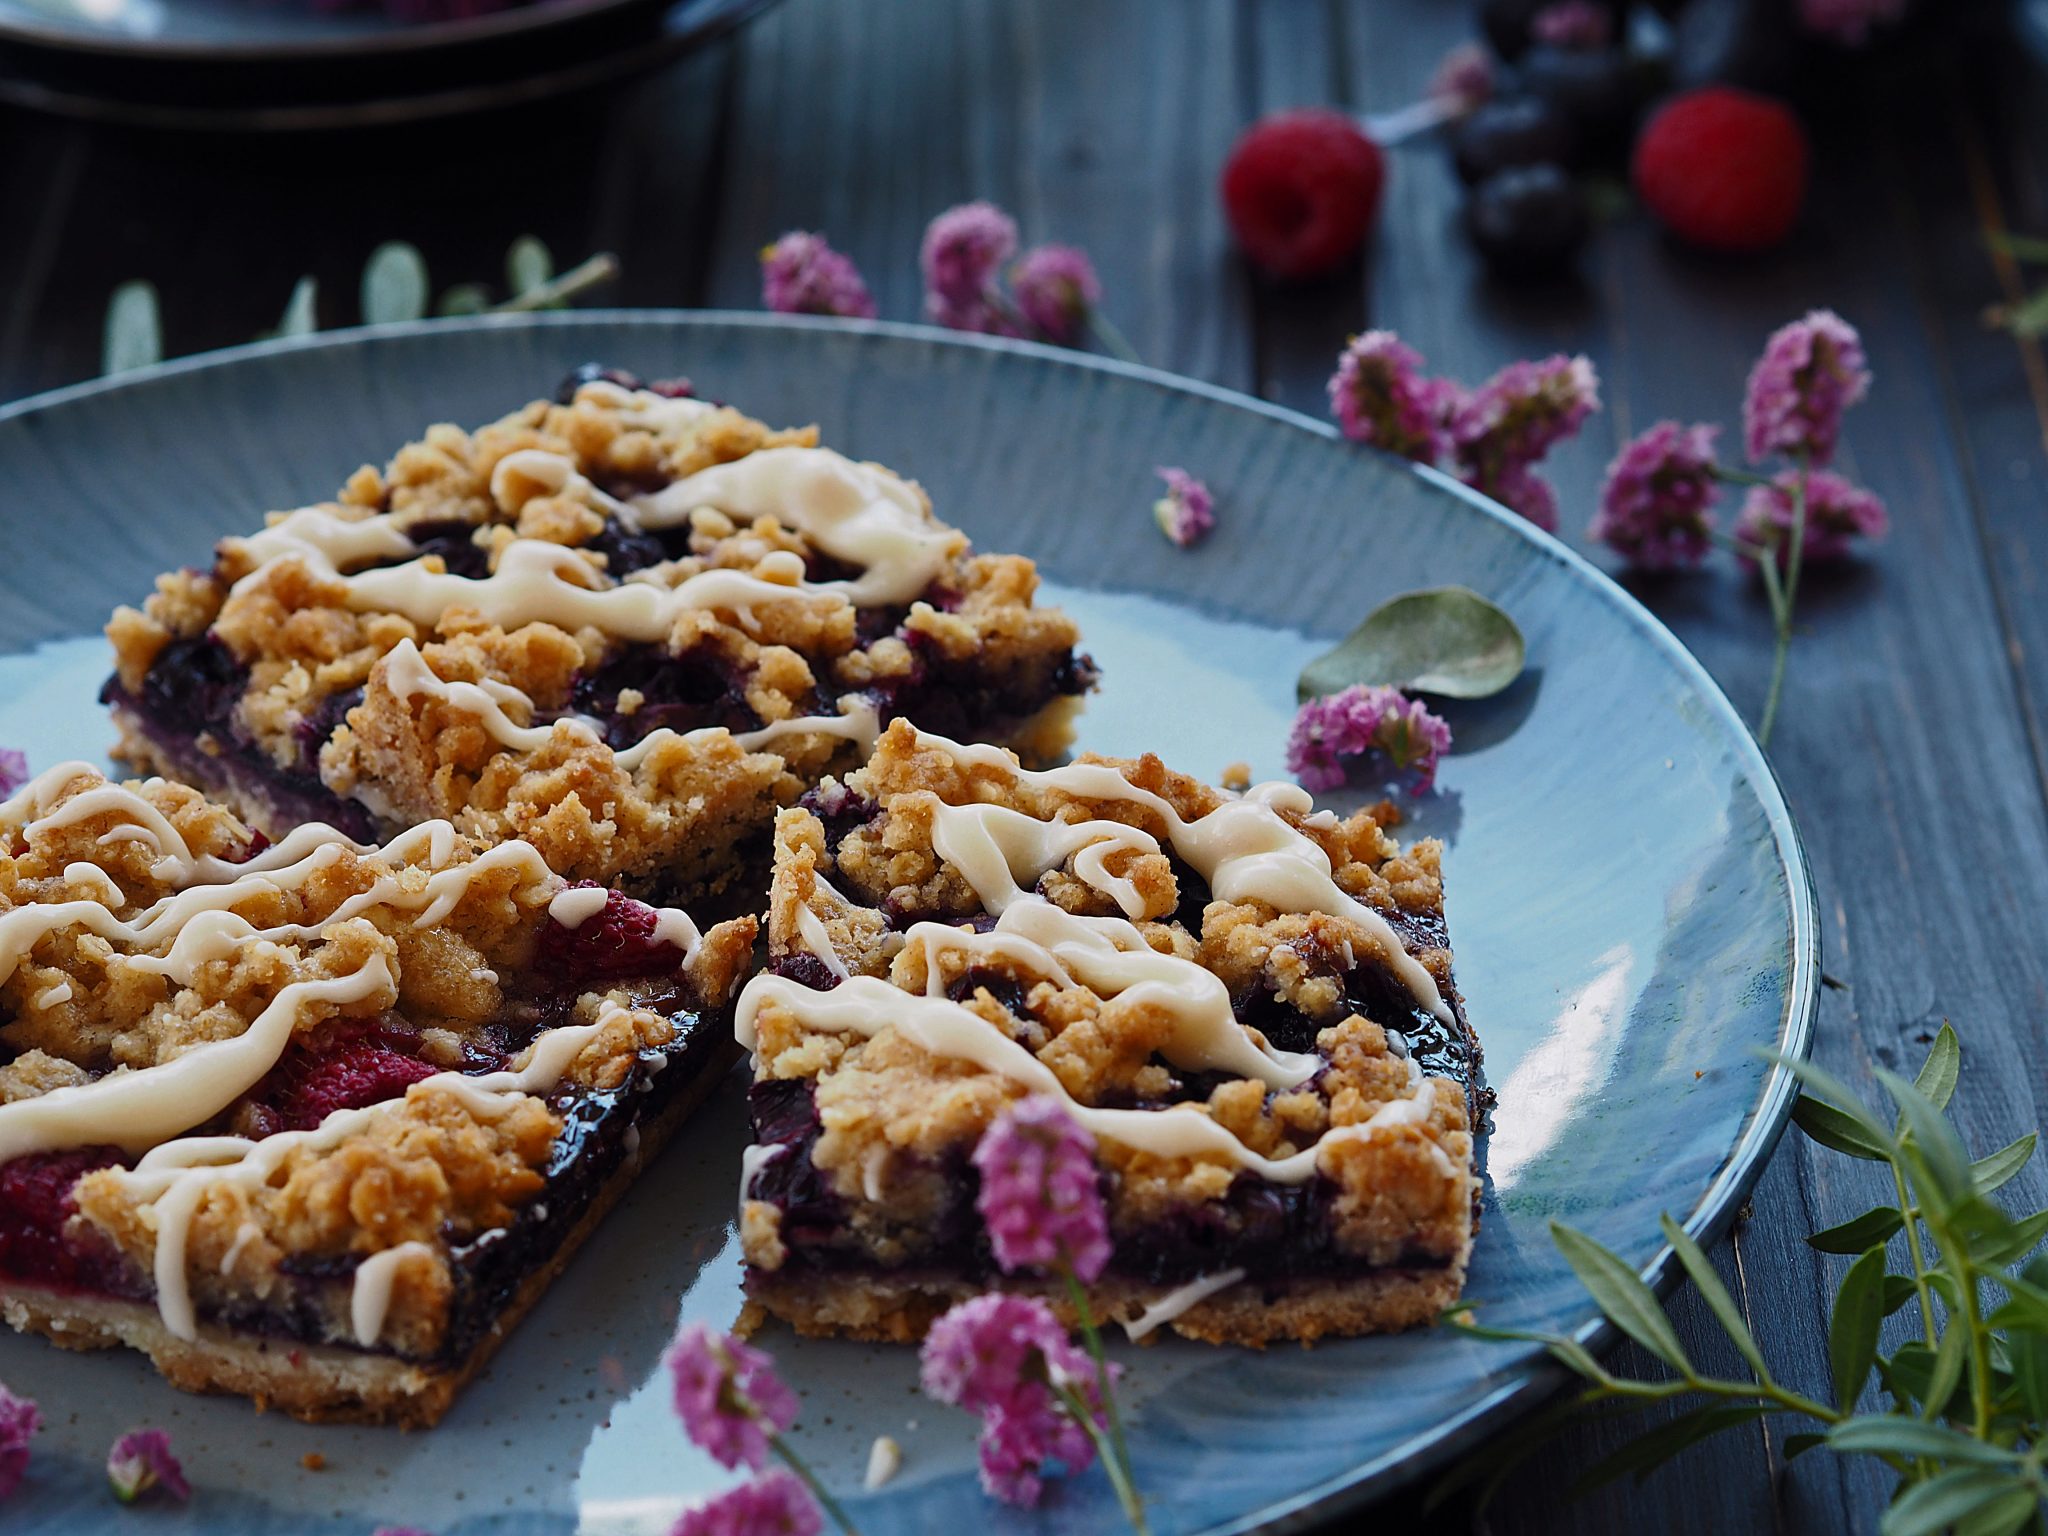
(623, 625)
(1247, 1003)
(315, 1122)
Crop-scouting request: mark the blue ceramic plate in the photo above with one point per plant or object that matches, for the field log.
(1630, 909)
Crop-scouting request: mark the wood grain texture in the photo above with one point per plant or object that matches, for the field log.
(1914, 743)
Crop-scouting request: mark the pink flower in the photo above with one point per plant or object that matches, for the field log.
(1039, 1197)
(1002, 1356)
(1361, 721)
(802, 275)
(1810, 373)
(775, 1504)
(1520, 489)
(1463, 77)
(1379, 396)
(728, 1395)
(1656, 508)
(13, 770)
(964, 248)
(1837, 513)
(1522, 412)
(1848, 21)
(19, 1421)
(1056, 290)
(1573, 24)
(142, 1460)
(1187, 512)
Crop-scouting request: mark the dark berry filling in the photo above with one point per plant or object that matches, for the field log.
(806, 970)
(840, 809)
(453, 540)
(683, 693)
(598, 373)
(346, 1068)
(37, 1199)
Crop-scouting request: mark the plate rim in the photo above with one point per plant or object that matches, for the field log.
(1531, 1376)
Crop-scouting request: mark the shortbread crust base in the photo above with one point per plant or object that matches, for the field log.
(325, 1383)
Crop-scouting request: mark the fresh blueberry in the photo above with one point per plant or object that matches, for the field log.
(1528, 221)
(1521, 130)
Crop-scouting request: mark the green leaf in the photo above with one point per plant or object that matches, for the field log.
(1994, 1172)
(1852, 1335)
(1886, 1434)
(2030, 318)
(2002, 1516)
(528, 264)
(1631, 1305)
(1871, 1229)
(133, 336)
(1798, 1445)
(1947, 1373)
(1898, 1290)
(464, 299)
(1714, 1293)
(394, 284)
(1655, 1447)
(1933, 1506)
(1934, 1139)
(1442, 640)
(298, 318)
(1938, 1073)
(1837, 1131)
(2012, 1240)
(2028, 1352)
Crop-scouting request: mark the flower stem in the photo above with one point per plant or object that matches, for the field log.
(1918, 1253)
(1113, 340)
(597, 271)
(1785, 595)
(1119, 1475)
(1119, 1454)
(826, 1502)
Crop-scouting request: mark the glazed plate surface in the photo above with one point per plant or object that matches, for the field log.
(1631, 913)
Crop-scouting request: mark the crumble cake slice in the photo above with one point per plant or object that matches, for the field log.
(315, 1122)
(1248, 1003)
(623, 626)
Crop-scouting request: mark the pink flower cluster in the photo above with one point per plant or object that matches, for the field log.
(728, 1396)
(13, 770)
(1186, 514)
(1497, 434)
(775, 1504)
(1573, 24)
(1003, 1357)
(802, 275)
(140, 1461)
(1363, 722)
(1656, 509)
(1040, 1197)
(19, 1421)
(1052, 296)
(1463, 77)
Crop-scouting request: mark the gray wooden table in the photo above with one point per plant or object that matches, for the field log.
(1912, 744)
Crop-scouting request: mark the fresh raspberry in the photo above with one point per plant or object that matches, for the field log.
(309, 1085)
(36, 1200)
(1723, 168)
(1301, 189)
(612, 945)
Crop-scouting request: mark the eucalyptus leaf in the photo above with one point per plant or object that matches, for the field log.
(1938, 1073)
(1619, 1292)
(1879, 1434)
(2031, 317)
(1993, 1172)
(299, 318)
(1714, 1294)
(1861, 1232)
(528, 264)
(133, 336)
(394, 284)
(1933, 1506)
(2024, 247)
(2013, 1241)
(1939, 1149)
(1947, 1373)
(1837, 1131)
(1798, 1445)
(464, 299)
(1852, 1335)
(2003, 1515)
(1448, 641)
(2028, 1351)
(1898, 1290)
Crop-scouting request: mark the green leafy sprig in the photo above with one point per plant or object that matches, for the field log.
(394, 289)
(1967, 1394)
(2029, 317)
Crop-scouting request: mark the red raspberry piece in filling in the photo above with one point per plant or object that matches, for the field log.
(36, 1200)
(311, 1084)
(610, 945)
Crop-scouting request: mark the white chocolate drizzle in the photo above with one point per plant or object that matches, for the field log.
(577, 905)
(1179, 1300)
(370, 1296)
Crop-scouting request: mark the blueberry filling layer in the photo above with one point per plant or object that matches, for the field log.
(186, 707)
(1272, 1232)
